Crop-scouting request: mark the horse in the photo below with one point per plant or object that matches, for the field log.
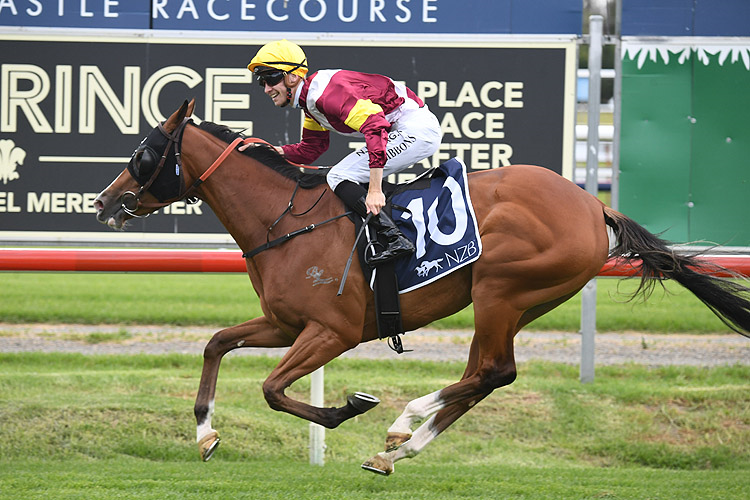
(543, 239)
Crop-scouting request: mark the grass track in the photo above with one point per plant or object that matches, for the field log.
(101, 427)
(228, 299)
(105, 427)
(145, 480)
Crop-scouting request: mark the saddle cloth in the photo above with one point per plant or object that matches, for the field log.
(436, 214)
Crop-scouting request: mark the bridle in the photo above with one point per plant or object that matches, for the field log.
(175, 139)
(131, 201)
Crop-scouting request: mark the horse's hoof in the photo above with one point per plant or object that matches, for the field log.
(362, 402)
(379, 464)
(208, 444)
(394, 440)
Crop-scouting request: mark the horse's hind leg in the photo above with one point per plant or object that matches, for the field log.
(255, 333)
(491, 365)
(447, 414)
(408, 445)
(400, 431)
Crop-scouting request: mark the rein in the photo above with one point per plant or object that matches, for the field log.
(174, 139)
(288, 210)
(131, 201)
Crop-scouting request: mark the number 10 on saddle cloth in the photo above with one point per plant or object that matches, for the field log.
(436, 214)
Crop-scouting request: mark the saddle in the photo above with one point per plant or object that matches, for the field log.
(435, 213)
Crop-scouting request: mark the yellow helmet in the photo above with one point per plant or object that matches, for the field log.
(282, 55)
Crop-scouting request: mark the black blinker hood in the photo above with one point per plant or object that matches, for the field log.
(169, 182)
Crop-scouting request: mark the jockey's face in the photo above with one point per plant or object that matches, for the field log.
(278, 91)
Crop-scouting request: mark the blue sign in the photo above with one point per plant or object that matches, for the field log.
(686, 18)
(126, 14)
(316, 16)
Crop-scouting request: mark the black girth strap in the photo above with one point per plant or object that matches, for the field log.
(289, 236)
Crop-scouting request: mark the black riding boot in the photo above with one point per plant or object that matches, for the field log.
(354, 196)
(398, 245)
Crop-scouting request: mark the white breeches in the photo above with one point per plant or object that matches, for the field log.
(416, 135)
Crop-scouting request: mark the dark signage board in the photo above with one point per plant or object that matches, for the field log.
(73, 110)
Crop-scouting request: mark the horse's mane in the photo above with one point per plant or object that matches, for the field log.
(267, 156)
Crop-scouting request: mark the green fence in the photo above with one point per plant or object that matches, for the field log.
(685, 138)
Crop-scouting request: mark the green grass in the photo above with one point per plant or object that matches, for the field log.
(270, 480)
(75, 426)
(128, 298)
(228, 299)
(104, 427)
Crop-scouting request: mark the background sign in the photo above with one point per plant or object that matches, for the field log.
(72, 112)
(333, 16)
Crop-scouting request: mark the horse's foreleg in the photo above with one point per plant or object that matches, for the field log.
(316, 346)
(255, 333)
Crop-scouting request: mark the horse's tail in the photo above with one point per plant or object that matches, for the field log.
(728, 299)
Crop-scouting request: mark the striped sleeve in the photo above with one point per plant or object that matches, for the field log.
(315, 142)
(360, 112)
(369, 118)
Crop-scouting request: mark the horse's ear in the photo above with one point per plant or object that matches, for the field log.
(184, 111)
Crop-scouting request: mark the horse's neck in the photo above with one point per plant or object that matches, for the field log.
(246, 196)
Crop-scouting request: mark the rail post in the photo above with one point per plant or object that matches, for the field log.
(317, 431)
(588, 294)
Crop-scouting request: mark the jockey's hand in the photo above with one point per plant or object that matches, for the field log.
(375, 201)
(255, 145)
(247, 146)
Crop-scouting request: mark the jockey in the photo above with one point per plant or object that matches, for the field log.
(398, 128)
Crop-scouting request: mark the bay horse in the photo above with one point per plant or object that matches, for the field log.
(543, 239)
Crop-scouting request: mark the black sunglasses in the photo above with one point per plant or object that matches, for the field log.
(270, 77)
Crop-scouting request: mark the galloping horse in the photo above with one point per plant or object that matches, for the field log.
(543, 239)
